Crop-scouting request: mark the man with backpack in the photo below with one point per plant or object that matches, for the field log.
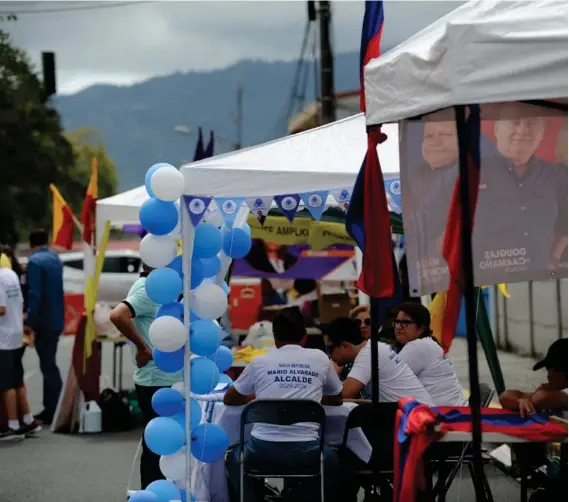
(133, 317)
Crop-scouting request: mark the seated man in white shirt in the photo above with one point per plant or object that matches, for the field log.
(288, 372)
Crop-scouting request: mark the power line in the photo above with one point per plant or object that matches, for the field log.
(99, 6)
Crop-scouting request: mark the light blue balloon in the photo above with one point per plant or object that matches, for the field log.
(236, 243)
(165, 490)
(225, 287)
(193, 498)
(247, 228)
(196, 273)
(143, 496)
(209, 443)
(163, 286)
(207, 241)
(195, 415)
(174, 309)
(158, 217)
(205, 337)
(164, 436)
(204, 375)
(223, 358)
(225, 379)
(211, 266)
(169, 362)
(193, 317)
(176, 265)
(167, 402)
(149, 174)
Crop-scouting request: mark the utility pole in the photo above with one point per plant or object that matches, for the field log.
(239, 117)
(327, 91)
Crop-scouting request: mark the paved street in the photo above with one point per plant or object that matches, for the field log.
(62, 468)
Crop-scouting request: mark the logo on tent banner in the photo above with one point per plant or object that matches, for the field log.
(315, 203)
(260, 206)
(288, 204)
(229, 208)
(196, 206)
(343, 197)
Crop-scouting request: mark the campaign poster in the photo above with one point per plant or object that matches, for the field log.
(520, 225)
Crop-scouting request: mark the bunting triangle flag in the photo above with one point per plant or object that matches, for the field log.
(288, 204)
(196, 207)
(393, 191)
(229, 207)
(343, 197)
(315, 202)
(260, 206)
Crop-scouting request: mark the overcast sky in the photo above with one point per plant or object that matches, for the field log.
(124, 44)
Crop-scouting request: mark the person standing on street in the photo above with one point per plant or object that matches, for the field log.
(133, 317)
(45, 316)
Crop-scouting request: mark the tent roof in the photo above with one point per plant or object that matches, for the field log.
(324, 158)
(487, 51)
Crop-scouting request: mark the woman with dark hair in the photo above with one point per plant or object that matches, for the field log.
(424, 355)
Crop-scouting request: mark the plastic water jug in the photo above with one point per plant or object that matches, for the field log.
(91, 418)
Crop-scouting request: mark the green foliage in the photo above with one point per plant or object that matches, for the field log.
(34, 151)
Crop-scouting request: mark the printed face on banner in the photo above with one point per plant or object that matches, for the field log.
(520, 226)
(259, 206)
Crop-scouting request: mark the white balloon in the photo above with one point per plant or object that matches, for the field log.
(177, 232)
(179, 386)
(158, 250)
(167, 333)
(173, 466)
(208, 301)
(167, 183)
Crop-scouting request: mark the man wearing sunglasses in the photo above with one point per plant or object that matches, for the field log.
(396, 380)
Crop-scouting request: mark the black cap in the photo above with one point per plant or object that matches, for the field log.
(556, 357)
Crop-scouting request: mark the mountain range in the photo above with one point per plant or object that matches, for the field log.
(138, 123)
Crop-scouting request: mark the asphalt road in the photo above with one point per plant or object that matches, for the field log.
(64, 468)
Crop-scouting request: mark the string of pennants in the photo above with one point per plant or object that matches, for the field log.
(289, 204)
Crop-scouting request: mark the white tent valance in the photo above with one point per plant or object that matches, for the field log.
(487, 51)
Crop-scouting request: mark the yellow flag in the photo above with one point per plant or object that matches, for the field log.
(437, 310)
(502, 288)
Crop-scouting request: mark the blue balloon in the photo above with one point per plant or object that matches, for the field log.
(226, 379)
(209, 443)
(225, 287)
(149, 174)
(164, 436)
(163, 285)
(158, 217)
(223, 358)
(169, 362)
(164, 490)
(204, 375)
(174, 309)
(176, 265)
(196, 273)
(211, 266)
(167, 402)
(207, 241)
(195, 415)
(205, 337)
(193, 498)
(193, 317)
(247, 228)
(143, 496)
(236, 243)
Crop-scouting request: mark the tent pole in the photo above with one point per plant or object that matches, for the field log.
(469, 295)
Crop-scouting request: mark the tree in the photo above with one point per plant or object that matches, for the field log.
(33, 150)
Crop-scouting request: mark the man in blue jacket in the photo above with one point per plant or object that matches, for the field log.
(45, 316)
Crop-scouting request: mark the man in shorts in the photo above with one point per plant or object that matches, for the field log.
(12, 385)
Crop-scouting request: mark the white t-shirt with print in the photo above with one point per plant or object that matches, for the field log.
(396, 380)
(291, 372)
(435, 371)
(12, 322)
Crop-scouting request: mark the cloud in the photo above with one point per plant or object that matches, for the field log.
(126, 44)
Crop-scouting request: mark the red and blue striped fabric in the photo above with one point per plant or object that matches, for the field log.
(367, 220)
(415, 433)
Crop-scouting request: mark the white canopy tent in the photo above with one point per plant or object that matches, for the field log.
(327, 157)
(487, 51)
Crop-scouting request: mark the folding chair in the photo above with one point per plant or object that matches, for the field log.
(380, 435)
(281, 412)
(465, 457)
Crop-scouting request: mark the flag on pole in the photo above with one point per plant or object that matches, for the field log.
(199, 152)
(90, 204)
(370, 47)
(210, 146)
(62, 229)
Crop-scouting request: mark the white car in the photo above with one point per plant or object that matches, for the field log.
(120, 269)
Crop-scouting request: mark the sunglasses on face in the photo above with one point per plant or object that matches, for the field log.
(402, 322)
(365, 322)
